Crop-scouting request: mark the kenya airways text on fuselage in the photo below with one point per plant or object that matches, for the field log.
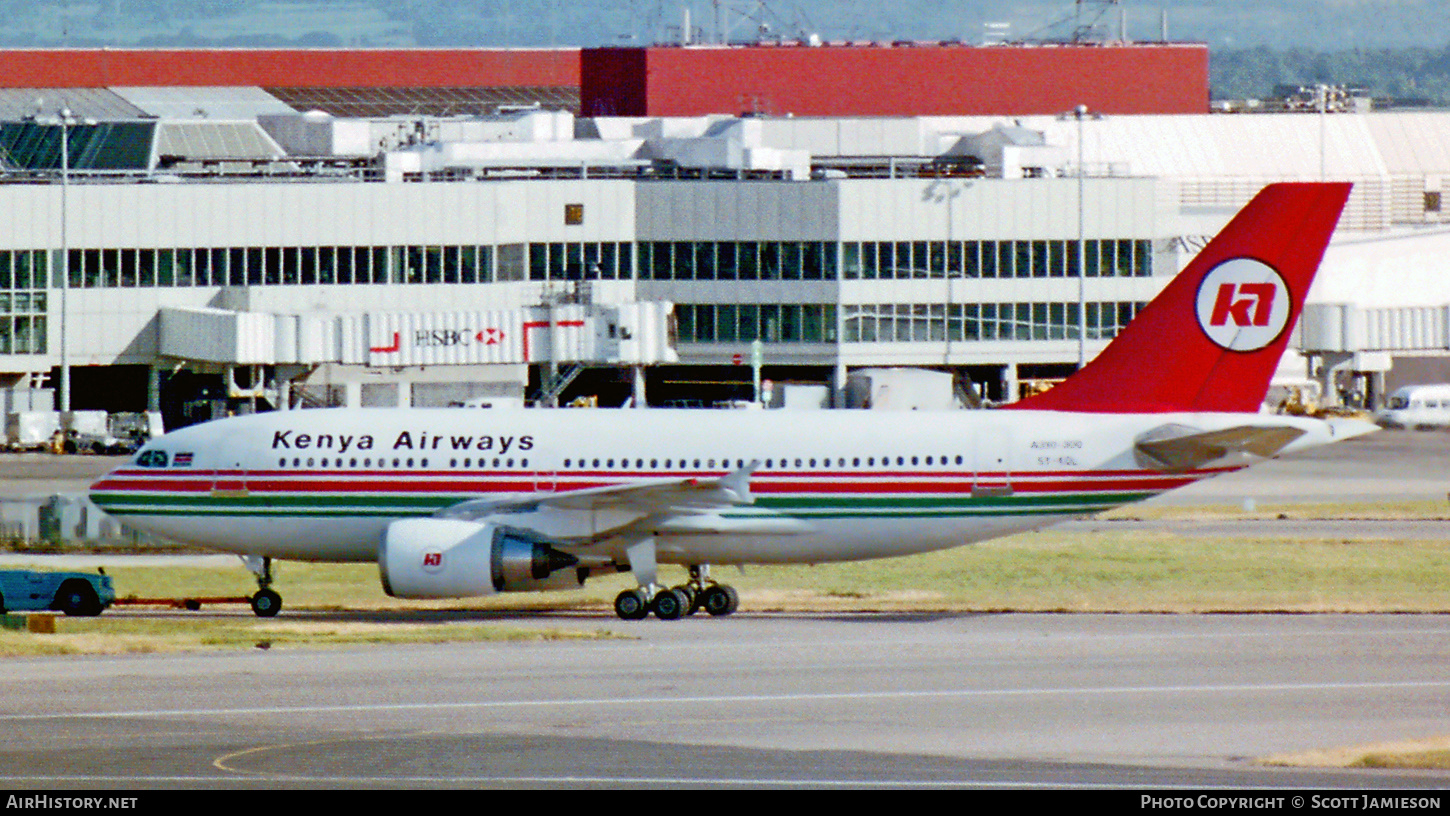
(287, 439)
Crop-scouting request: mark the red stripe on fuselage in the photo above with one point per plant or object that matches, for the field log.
(865, 482)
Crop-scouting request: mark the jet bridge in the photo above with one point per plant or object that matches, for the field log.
(262, 352)
(1346, 343)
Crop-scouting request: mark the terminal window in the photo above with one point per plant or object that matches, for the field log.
(904, 260)
(938, 322)
(745, 322)
(23, 301)
(116, 267)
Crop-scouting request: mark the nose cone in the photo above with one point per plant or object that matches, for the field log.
(103, 492)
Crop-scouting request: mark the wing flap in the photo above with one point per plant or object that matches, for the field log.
(640, 497)
(762, 522)
(691, 506)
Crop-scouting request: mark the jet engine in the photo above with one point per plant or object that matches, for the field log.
(448, 558)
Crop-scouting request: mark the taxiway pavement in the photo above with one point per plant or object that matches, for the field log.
(751, 700)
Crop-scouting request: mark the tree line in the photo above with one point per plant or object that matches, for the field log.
(1401, 76)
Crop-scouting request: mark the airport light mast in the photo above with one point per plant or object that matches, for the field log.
(66, 120)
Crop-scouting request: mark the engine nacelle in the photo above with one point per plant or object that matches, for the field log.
(448, 558)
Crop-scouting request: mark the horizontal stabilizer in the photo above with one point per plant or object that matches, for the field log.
(1179, 448)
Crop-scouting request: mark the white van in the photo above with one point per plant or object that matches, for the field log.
(1419, 407)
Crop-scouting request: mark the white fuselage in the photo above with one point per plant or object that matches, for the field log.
(325, 484)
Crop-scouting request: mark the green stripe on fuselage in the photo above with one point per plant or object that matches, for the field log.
(800, 506)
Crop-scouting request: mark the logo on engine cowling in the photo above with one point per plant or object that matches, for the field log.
(433, 561)
(1243, 305)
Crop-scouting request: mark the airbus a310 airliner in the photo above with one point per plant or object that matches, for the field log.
(460, 503)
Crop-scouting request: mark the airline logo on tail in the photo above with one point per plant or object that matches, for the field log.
(1244, 289)
(1243, 305)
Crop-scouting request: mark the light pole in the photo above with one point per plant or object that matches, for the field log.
(1321, 97)
(943, 190)
(1080, 112)
(65, 119)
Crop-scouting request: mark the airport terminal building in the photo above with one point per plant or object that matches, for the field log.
(896, 262)
(206, 250)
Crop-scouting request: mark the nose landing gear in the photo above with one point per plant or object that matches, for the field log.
(265, 603)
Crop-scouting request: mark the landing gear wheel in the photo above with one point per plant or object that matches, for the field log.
(631, 604)
(720, 600)
(670, 604)
(266, 603)
(692, 596)
(78, 598)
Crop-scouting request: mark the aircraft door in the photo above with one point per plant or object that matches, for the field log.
(992, 462)
(546, 478)
(229, 481)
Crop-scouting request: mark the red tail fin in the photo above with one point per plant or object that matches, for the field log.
(1212, 339)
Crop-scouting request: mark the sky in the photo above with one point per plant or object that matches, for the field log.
(1317, 24)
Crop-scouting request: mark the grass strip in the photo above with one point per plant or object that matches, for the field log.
(1425, 754)
(120, 633)
(1047, 571)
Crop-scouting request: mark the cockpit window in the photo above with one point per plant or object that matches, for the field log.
(152, 458)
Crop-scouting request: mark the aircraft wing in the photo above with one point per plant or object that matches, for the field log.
(1179, 448)
(691, 506)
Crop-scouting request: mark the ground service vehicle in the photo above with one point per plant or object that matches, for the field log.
(74, 593)
(1417, 407)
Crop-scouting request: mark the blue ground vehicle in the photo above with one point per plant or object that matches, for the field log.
(74, 593)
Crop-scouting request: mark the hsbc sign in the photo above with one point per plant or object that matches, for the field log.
(1243, 305)
(438, 338)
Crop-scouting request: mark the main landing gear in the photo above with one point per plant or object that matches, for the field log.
(265, 603)
(673, 603)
